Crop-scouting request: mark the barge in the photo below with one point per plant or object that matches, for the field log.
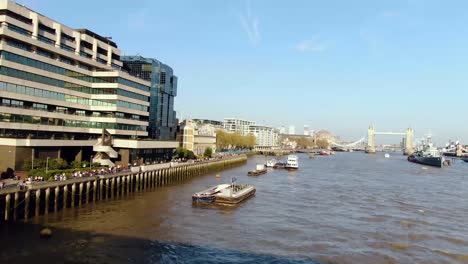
(225, 194)
(260, 169)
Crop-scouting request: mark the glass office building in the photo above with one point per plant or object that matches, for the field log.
(60, 87)
(162, 117)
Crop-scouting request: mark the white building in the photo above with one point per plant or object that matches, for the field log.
(292, 130)
(306, 130)
(265, 136)
(236, 125)
(282, 130)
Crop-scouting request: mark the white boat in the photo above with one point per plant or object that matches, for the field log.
(235, 193)
(292, 163)
(225, 193)
(387, 155)
(271, 163)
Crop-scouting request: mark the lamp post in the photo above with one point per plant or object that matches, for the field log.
(47, 166)
(90, 161)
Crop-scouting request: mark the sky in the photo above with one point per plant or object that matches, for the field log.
(335, 65)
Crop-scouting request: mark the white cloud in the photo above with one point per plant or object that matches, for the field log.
(311, 45)
(250, 25)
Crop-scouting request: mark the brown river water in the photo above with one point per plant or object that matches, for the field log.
(347, 208)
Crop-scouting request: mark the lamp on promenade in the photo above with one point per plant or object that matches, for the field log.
(90, 161)
(47, 166)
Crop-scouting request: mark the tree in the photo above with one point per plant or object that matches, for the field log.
(208, 152)
(303, 142)
(322, 143)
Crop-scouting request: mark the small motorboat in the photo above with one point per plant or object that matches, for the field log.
(387, 155)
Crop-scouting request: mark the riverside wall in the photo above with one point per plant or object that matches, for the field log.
(50, 197)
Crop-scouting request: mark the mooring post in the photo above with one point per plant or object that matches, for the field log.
(38, 204)
(94, 190)
(65, 195)
(15, 211)
(112, 187)
(88, 189)
(7, 207)
(47, 199)
(118, 187)
(73, 195)
(80, 194)
(56, 196)
(26, 205)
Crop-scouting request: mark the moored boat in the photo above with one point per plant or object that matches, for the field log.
(271, 163)
(292, 163)
(235, 193)
(260, 169)
(427, 160)
(225, 193)
(208, 195)
(429, 155)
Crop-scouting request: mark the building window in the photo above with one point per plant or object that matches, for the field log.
(46, 29)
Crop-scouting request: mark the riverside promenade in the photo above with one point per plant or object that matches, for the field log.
(24, 202)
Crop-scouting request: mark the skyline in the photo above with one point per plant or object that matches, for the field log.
(330, 65)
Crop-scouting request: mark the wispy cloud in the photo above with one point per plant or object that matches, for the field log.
(250, 25)
(311, 45)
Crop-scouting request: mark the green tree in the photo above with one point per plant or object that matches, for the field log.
(322, 143)
(208, 152)
(190, 155)
(303, 142)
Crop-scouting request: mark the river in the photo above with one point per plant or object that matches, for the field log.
(347, 208)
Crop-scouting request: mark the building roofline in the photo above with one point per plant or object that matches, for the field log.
(97, 36)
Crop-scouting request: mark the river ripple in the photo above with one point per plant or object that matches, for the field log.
(348, 208)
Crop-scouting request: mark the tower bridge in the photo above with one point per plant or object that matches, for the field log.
(409, 138)
(371, 146)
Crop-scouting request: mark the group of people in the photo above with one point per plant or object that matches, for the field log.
(89, 173)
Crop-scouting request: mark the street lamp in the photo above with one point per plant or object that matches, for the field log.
(90, 161)
(47, 166)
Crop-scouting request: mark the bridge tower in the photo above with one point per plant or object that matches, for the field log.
(370, 140)
(409, 148)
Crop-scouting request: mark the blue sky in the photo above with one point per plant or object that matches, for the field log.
(336, 65)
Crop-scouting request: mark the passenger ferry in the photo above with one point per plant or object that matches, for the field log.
(292, 163)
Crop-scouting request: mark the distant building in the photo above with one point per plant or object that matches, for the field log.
(282, 130)
(218, 124)
(292, 130)
(286, 143)
(197, 137)
(162, 118)
(236, 125)
(266, 137)
(306, 130)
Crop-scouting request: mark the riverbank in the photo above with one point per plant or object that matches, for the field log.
(26, 201)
